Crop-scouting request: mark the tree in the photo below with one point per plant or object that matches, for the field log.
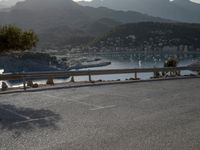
(13, 38)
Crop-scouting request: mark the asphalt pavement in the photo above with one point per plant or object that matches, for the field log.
(163, 115)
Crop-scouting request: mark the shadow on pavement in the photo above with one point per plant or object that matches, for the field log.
(21, 118)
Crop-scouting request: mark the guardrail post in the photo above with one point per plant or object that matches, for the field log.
(72, 79)
(90, 78)
(135, 75)
(24, 83)
(170, 73)
(178, 73)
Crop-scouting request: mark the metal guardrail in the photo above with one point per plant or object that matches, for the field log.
(89, 73)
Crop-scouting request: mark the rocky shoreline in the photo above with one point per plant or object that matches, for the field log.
(36, 62)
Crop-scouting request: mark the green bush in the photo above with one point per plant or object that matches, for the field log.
(171, 62)
(13, 38)
(157, 74)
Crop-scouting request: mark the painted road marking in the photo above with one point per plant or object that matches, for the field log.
(76, 101)
(32, 120)
(15, 113)
(105, 107)
(96, 107)
(28, 119)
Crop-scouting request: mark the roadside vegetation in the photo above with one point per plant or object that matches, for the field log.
(13, 38)
(171, 62)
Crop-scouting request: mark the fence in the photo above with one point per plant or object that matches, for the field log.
(89, 73)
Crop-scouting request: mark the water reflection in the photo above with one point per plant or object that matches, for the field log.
(132, 60)
(139, 60)
(154, 59)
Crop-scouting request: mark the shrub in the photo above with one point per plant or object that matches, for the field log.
(50, 81)
(171, 62)
(13, 38)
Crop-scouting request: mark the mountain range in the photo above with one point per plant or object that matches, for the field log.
(179, 10)
(60, 21)
(151, 36)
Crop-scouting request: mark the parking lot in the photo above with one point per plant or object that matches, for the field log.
(163, 115)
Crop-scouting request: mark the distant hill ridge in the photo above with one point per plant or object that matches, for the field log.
(180, 10)
(68, 19)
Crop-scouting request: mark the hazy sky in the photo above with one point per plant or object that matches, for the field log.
(197, 1)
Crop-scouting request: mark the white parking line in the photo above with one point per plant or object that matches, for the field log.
(15, 113)
(96, 107)
(32, 120)
(105, 107)
(76, 101)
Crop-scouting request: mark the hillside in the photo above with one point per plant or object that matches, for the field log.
(61, 19)
(151, 36)
(180, 10)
